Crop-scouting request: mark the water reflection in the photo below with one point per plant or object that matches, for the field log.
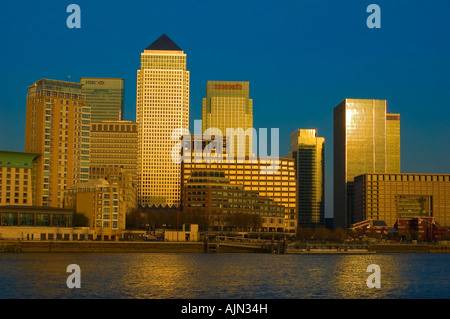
(257, 276)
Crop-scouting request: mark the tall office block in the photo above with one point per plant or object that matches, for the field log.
(364, 139)
(58, 128)
(308, 151)
(162, 106)
(393, 142)
(227, 106)
(105, 97)
(115, 144)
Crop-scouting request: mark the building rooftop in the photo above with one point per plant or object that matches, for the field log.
(17, 159)
(164, 43)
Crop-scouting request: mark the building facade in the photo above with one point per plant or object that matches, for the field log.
(127, 185)
(274, 178)
(210, 193)
(308, 152)
(115, 144)
(365, 139)
(162, 108)
(105, 97)
(17, 178)
(57, 127)
(101, 201)
(228, 108)
(389, 197)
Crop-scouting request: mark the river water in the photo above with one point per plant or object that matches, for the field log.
(219, 276)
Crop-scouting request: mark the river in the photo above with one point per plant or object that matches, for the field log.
(223, 275)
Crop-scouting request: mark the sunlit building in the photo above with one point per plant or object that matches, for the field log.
(211, 194)
(17, 178)
(102, 202)
(274, 178)
(308, 152)
(389, 197)
(366, 139)
(125, 180)
(162, 107)
(105, 97)
(57, 127)
(115, 144)
(228, 108)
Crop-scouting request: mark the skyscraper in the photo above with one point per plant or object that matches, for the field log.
(365, 141)
(162, 106)
(308, 151)
(227, 106)
(393, 142)
(105, 97)
(58, 128)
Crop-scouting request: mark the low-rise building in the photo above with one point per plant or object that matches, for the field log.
(17, 178)
(389, 197)
(211, 194)
(26, 222)
(420, 228)
(370, 228)
(102, 203)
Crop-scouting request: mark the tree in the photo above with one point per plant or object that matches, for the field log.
(80, 220)
(339, 234)
(136, 219)
(304, 233)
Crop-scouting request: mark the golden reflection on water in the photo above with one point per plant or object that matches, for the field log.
(254, 276)
(350, 275)
(157, 278)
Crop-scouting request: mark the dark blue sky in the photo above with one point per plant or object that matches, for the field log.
(301, 58)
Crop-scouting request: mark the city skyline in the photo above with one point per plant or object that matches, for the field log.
(390, 73)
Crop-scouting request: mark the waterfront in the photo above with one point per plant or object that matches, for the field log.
(223, 276)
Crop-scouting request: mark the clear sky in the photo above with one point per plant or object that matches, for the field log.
(301, 57)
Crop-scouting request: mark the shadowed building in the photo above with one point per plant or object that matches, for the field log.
(308, 152)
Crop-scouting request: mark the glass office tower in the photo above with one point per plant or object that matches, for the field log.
(308, 151)
(365, 141)
(227, 106)
(162, 106)
(105, 97)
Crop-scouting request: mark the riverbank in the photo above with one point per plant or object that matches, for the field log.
(20, 246)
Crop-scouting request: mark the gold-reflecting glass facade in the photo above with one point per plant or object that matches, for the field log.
(308, 152)
(362, 141)
(388, 197)
(227, 106)
(393, 143)
(162, 106)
